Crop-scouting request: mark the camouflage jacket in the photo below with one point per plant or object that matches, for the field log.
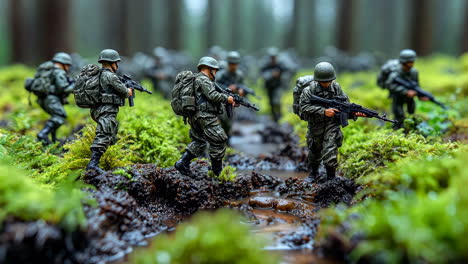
(61, 83)
(226, 78)
(315, 113)
(114, 91)
(209, 100)
(397, 90)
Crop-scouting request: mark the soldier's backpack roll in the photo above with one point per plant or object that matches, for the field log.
(183, 101)
(87, 88)
(40, 85)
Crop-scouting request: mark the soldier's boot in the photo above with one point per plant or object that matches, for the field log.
(94, 162)
(314, 174)
(331, 172)
(183, 165)
(43, 135)
(53, 133)
(217, 166)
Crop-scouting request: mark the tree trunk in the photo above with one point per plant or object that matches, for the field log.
(115, 22)
(421, 26)
(291, 39)
(140, 36)
(55, 27)
(235, 25)
(464, 46)
(17, 34)
(175, 10)
(345, 25)
(210, 24)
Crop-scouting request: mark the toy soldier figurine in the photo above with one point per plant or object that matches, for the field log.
(204, 123)
(59, 86)
(161, 74)
(324, 136)
(400, 94)
(105, 113)
(272, 72)
(231, 78)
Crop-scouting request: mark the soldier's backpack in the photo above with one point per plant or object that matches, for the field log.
(87, 90)
(301, 83)
(183, 101)
(41, 84)
(389, 67)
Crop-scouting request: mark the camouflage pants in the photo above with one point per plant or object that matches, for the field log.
(107, 126)
(54, 107)
(207, 130)
(226, 122)
(274, 99)
(398, 109)
(323, 142)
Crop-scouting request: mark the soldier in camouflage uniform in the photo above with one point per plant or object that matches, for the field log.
(113, 95)
(161, 74)
(400, 94)
(52, 103)
(204, 124)
(273, 72)
(324, 135)
(229, 78)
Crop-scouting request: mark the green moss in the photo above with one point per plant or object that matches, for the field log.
(122, 172)
(24, 198)
(228, 174)
(207, 238)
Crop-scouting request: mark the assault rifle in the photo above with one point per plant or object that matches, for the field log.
(247, 90)
(237, 98)
(347, 110)
(131, 84)
(412, 85)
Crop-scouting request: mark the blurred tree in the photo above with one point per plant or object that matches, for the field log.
(210, 28)
(421, 26)
(141, 26)
(17, 32)
(236, 31)
(464, 45)
(174, 27)
(115, 22)
(345, 25)
(291, 36)
(55, 27)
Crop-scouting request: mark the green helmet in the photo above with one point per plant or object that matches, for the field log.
(208, 61)
(63, 58)
(273, 52)
(407, 55)
(324, 72)
(233, 57)
(109, 55)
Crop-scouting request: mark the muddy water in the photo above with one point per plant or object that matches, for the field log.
(247, 139)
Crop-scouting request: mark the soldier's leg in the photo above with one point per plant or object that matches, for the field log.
(106, 132)
(333, 139)
(314, 144)
(195, 148)
(217, 139)
(226, 123)
(411, 106)
(398, 112)
(53, 106)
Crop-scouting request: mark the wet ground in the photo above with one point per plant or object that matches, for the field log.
(272, 190)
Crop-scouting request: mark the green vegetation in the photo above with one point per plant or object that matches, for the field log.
(207, 238)
(228, 174)
(25, 199)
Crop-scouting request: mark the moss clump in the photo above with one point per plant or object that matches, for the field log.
(25, 199)
(207, 238)
(228, 174)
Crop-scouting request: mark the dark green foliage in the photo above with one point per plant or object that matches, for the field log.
(207, 238)
(227, 174)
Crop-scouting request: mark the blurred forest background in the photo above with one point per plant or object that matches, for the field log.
(32, 30)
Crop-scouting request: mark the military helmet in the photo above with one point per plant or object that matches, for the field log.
(160, 52)
(63, 58)
(208, 61)
(109, 55)
(273, 51)
(407, 55)
(233, 57)
(324, 72)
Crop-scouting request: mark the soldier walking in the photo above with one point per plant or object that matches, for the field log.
(205, 126)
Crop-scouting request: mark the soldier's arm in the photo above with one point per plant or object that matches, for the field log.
(113, 82)
(208, 90)
(395, 88)
(62, 85)
(340, 92)
(307, 106)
